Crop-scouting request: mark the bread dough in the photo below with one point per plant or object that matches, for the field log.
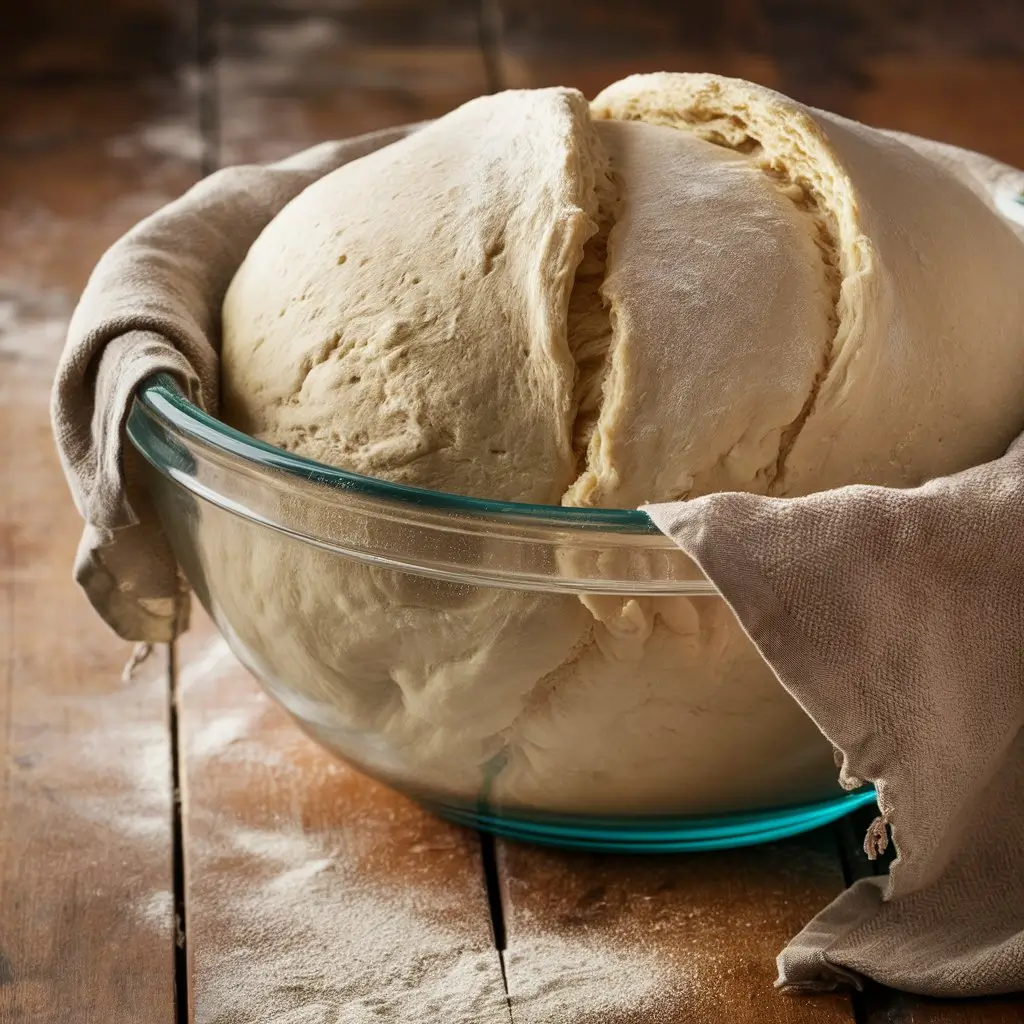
(691, 285)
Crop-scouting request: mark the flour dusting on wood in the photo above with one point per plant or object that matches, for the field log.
(304, 930)
(299, 928)
(316, 896)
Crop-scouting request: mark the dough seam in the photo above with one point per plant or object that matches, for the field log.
(792, 149)
(592, 345)
(730, 131)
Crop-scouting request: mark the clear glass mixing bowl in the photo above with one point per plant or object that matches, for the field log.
(558, 675)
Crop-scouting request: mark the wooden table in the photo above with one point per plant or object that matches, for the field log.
(171, 848)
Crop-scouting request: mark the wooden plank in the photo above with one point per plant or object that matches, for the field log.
(291, 75)
(951, 71)
(590, 45)
(684, 939)
(86, 924)
(966, 101)
(886, 1007)
(106, 40)
(314, 894)
(642, 940)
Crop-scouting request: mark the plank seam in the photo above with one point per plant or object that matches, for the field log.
(492, 886)
(181, 979)
(846, 843)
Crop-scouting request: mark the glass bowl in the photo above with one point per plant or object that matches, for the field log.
(557, 675)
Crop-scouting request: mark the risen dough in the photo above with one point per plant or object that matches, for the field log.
(692, 284)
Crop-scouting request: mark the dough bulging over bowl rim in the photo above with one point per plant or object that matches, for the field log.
(464, 546)
(306, 499)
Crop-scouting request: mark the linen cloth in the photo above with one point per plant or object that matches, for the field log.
(152, 304)
(894, 617)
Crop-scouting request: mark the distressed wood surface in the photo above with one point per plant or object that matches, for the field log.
(948, 70)
(86, 925)
(290, 75)
(312, 893)
(896, 1008)
(666, 939)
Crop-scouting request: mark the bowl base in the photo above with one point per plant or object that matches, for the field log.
(654, 835)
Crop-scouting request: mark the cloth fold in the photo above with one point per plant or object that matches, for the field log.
(153, 304)
(894, 617)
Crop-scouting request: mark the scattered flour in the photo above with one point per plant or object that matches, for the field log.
(214, 662)
(157, 909)
(560, 980)
(261, 80)
(33, 322)
(306, 935)
(323, 928)
(217, 737)
(286, 48)
(360, 922)
(136, 755)
(301, 935)
(225, 736)
(171, 137)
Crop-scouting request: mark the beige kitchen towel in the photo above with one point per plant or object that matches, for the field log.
(153, 304)
(895, 617)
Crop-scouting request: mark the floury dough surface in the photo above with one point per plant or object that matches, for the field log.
(690, 285)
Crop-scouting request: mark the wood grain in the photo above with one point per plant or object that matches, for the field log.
(289, 75)
(314, 894)
(884, 1007)
(663, 940)
(951, 71)
(86, 925)
(134, 42)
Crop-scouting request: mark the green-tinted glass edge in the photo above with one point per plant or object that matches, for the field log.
(164, 399)
(684, 835)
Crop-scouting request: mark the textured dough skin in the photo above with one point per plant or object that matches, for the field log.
(755, 306)
(713, 274)
(380, 323)
(923, 377)
(384, 316)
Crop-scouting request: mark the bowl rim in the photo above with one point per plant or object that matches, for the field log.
(163, 398)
